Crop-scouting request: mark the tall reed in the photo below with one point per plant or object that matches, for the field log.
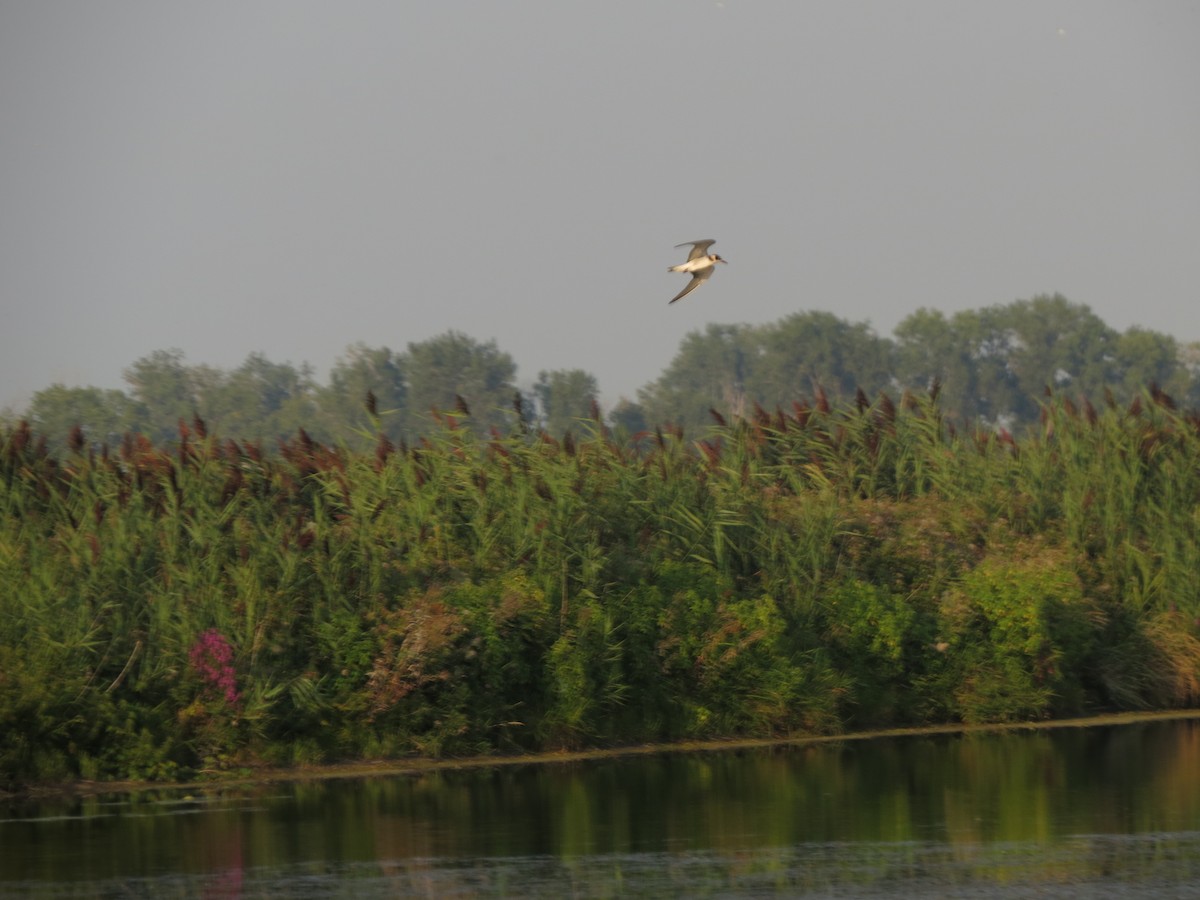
(172, 610)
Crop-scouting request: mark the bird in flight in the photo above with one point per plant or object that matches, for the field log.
(700, 264)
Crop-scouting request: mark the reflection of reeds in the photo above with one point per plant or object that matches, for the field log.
(783, 571)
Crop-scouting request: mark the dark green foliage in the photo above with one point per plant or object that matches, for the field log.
(885, 643)
(989, 366)
(208, 606)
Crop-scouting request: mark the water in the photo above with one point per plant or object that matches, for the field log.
(1108, 811)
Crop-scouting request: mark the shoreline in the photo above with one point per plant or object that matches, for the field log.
(389, 768)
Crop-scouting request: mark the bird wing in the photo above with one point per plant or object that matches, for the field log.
(698, 279)
(699, 248)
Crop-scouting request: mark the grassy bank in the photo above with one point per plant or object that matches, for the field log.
(171, 611)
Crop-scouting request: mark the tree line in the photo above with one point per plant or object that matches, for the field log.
(992, 366)
(266, 401)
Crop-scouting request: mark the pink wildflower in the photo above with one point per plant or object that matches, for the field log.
(212, 659)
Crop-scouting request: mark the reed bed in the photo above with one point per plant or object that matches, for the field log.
(169, 611)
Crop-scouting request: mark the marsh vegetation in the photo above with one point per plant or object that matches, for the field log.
(179, 608)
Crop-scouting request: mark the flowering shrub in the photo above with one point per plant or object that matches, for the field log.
(212, 659)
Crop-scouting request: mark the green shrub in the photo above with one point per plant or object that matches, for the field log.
(884, 644)
(1018, 633)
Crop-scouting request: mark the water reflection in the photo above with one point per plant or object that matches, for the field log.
(1101, 808)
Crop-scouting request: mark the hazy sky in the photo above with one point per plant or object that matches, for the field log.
(292, 177)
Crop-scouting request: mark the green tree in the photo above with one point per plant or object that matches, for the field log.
(1189, 364)
(103, 415)
(260, 400)
(1057, 344)
(709, 371)
(1146, 357)
(564, 396)
(992, 342)
(804, 350)
(454, 365)
(932, 349)
(166, 390)
(730, 368)
(344, 415)
(627, 417)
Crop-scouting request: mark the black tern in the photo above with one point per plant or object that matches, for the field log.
(700, 264)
